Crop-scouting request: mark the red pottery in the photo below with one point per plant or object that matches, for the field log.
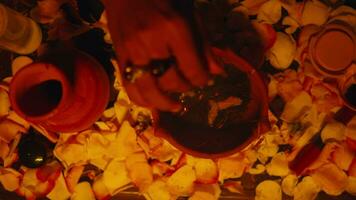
(206, 142)
(65, 91)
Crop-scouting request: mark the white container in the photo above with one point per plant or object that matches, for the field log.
(18, 33)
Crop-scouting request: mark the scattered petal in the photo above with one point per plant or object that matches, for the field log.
(100, 190)
(60, 190)
(20, 62)
(333, 130)
(289, 184)
(140, 172)
(158, 190)
(278, 165)
(307, 189)
(73, 176)
(350, 131)
(115, 176)
(291, 23)
(234, 186)
(206, 171)
(259, 169)
(4, 103)
(231, 167)
(267, 190)
(331, 179)
(283, 51)
(206, 192)
(270, 12)
(83, 191)
(9, 130)
(352, 169)
(351, 185)
(343, 156)
(181, 183)
(315, 12)
(9, 180)
(297, 107)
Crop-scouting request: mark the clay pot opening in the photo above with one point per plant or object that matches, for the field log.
(40, 99)
(38, 90)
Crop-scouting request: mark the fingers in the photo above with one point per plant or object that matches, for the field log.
(154, 42)
(214, 67)
(135, 95)
(136, 52)
(183, 48)
(171, 81)
(154, 96)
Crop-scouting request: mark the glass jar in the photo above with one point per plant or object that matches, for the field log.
(18, 33)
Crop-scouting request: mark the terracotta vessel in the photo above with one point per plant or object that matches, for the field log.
(201, 140)
(65, 91)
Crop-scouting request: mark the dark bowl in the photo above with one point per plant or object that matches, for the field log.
(234, 127)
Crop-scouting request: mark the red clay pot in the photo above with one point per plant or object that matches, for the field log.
(202, 141)
(66, 91)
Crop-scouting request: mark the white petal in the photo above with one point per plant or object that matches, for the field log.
(333, 130)
(332, 180)
(115, 176)
(83, 191)
(307, 189)
(283, 51)
(278, 165)
(351, 185)
(315, 12)
(20, 62)
(289, 183)
(268, 190)
(181, 183)
(4, 103)
(60, 190)
(297, 107)
(158, 190)
(270, 12)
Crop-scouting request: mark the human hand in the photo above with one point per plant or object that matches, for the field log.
(159, 50)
